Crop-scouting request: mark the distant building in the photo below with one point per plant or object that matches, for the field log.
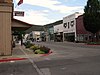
(74, 30)
(35, 33)
(82, 34)
(69, 24)
(58, 32)
(35, 36)
(49, 30)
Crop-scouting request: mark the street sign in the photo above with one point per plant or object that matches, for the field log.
(18, 13)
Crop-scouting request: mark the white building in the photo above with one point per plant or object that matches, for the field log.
(69, 27)
(35, 35)
(58, 32)
(58, 28)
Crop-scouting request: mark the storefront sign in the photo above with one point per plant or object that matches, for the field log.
(18, 13)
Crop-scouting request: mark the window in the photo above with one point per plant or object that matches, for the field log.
(72, 23)
(65, 25)
(68, 25)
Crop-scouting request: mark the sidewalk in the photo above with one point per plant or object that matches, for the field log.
(17, 54)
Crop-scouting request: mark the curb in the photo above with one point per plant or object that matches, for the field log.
(47, 53)
(93, 44)
(11, 59)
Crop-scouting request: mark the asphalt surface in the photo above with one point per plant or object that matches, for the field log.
(23, 67)
(70, 59)
(67, 59)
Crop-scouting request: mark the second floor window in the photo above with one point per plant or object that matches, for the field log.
(65, 25)
(68, 25)
(72, 23)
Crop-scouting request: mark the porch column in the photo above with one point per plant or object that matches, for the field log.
(5, 27)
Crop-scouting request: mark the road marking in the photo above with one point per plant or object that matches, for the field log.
(12, 61)
(33, 64)
(46, 71)
(47, 59)
(63, 68)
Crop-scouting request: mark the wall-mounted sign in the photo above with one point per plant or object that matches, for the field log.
(18, 13)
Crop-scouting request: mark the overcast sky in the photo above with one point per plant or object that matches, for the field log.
(41, 12)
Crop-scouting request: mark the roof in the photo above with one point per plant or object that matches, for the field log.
(22, 22)
(53, 24)
(35, 28)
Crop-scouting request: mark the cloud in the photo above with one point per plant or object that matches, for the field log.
(34, 17)
(54, 5)
(41, 17)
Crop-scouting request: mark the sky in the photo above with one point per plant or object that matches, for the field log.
(42, 12)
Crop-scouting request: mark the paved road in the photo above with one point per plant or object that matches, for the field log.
(66, 59)
(70, 59)
(23, 67)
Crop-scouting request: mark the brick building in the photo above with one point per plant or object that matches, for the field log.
(82, 34)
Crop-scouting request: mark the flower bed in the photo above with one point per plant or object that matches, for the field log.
(37, 49)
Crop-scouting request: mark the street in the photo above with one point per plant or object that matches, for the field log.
(66, 59)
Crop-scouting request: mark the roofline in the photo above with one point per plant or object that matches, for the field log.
(22, 22)
(79, 16)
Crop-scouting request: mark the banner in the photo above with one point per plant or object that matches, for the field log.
(20, 2)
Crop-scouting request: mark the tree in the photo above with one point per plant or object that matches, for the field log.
(91, 17)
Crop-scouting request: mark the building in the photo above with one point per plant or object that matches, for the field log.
(81, 33)
(74, 30)
(18, 30)
(6, 9)
(35, 33)
(35, 36)
(49, 30)
(7, 27)
(69, 30)
(58, 32)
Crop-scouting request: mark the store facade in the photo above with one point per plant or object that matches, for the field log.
(74, 30)
(58, 33)
(69, 24)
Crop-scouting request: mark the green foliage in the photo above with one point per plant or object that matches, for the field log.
(34, 47)
(38, 51)
(91, 17)
(28, 44)
(94, 43)
(45, 49)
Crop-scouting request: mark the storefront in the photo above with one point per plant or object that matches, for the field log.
(69, 27)
(69, 37)
(7, 26)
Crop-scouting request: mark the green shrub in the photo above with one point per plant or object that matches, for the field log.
(35, 47)
(45, 49)
(94, 43)
(28, 44)
(38, 51)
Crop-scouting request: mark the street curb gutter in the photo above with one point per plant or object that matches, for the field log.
(11, 59)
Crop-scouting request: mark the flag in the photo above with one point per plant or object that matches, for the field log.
(20, 2)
